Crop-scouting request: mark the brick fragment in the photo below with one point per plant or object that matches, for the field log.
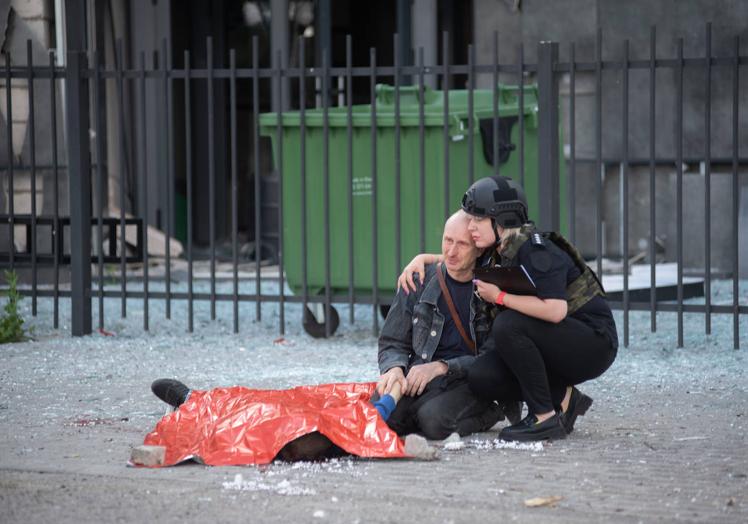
(148, 455)
(417, 447)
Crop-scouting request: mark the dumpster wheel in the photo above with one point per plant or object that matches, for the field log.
(314, 320)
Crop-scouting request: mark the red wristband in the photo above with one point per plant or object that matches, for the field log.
(500, 298)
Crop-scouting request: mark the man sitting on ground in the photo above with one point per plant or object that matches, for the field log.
(430, 337)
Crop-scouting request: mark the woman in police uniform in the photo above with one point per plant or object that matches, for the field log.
(544, 344)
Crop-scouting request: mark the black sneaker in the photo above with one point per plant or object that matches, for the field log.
(579, 403)
(170, 391)
(512, 410)
(529, 429)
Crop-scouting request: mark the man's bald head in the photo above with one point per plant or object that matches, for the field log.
(458, 219)
(458, 248)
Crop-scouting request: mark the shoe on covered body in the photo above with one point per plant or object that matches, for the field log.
(529, 429)
(512, 410)
(171, 391)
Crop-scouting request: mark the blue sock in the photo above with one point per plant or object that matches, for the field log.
(385, 405)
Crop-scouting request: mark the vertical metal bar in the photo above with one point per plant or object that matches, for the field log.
(79, 168)
(32, 151)
(471, 115)
(374, 218)
(735, 194)
(398, 218)
(679, 185)
(599, 150)
(349, 167)
(279, 141)
(55, 191)
(122, 181)
(234, 190)
(188, 169)
(652, 201)
(421, 151)
(211, 178)
(495, 100)
(708, 181)
(322, 28)
(572, 144)
(144, 186)
(302, 165)
(11, 161)
(340, 86)
(256, 147)
(445, 124)
(99, 185)
(169, 159)
(326, 178)
(79, 172)
(521, 113)
(548, 139)
(625, 189)
(404, 18)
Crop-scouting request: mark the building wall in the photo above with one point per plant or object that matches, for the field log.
(567, 21)
(32, 20)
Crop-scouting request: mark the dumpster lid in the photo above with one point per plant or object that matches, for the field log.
(411, 98)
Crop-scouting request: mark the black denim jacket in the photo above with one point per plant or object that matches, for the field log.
(414, 324)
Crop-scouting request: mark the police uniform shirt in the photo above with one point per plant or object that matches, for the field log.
(553, 270)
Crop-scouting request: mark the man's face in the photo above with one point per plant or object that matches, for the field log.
(458, 248)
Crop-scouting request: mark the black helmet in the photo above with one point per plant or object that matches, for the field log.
(497, 197)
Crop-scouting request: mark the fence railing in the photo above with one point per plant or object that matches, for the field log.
(353, 204)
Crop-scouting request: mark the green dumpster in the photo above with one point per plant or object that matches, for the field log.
(362, 184)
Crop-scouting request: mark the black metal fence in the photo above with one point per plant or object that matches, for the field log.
(84, 79)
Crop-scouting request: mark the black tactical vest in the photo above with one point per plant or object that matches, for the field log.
(583, 289)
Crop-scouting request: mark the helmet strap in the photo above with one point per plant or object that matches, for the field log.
(495, 228)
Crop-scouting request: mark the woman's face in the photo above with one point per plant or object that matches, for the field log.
(481, 231)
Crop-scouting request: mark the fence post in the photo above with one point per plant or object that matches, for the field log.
(280, 96)
(549, 187)
(79, 174)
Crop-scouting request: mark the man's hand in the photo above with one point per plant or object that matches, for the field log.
(389, 379)
(422, 374)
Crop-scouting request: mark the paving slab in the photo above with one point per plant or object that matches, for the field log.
(664, 441)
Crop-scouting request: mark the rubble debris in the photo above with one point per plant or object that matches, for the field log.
(418, 447)
(148, 455)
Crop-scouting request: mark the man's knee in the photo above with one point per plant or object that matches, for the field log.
(482, 381)
(435, 422)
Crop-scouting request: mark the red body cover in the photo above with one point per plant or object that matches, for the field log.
(238, 425)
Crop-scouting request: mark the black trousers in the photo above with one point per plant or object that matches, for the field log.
(446, 406)
(535, 360)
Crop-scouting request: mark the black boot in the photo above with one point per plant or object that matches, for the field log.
(579, 403)
(170, 391)
(529, 429)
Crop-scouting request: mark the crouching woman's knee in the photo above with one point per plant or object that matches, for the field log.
(507, 325)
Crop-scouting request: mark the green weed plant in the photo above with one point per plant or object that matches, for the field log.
(11, 321)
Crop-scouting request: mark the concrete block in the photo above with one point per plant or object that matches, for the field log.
(148, 455)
